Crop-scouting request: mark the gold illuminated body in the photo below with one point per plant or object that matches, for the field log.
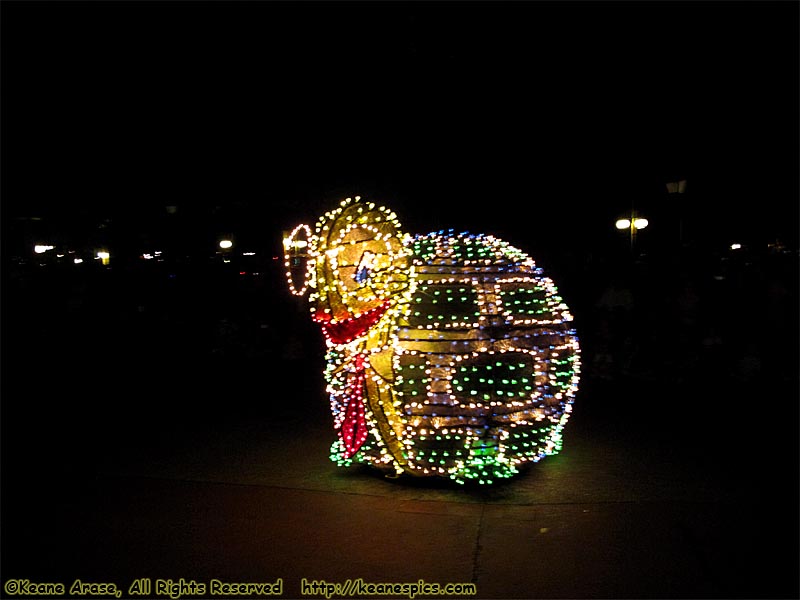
(448, 355)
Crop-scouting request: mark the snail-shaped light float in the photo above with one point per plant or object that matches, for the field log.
(448, 355)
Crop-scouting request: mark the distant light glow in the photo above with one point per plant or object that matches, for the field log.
(41, 248)
(735, 246)
(225, 244)
(147, 256)
(103, 255)
(77, 261)
(248, 253)
(638, 223)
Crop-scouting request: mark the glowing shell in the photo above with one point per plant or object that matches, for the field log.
(448, 355)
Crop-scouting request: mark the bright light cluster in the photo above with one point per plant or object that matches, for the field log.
(448, 355)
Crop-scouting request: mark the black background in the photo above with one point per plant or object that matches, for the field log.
(538, 121)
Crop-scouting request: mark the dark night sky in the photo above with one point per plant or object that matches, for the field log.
(484, 116)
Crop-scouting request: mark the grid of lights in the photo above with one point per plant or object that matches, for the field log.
(448, 355)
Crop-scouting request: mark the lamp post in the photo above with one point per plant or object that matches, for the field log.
(225, 245)
(633, 224)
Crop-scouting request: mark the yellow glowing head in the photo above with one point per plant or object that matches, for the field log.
(359, 261)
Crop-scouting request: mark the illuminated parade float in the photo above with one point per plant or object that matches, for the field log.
(448, 355)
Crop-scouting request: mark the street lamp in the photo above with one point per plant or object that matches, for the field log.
(225, 245)
(633, 225)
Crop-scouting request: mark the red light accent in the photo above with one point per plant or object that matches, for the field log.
(354, 426)
(346, 331)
